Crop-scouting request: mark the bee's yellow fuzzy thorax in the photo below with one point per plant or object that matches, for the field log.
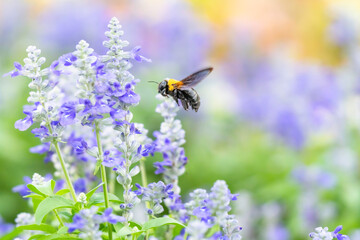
(172, 84)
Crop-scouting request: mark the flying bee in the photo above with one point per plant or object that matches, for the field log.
(183, 90)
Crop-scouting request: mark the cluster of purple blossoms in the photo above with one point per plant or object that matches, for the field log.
(87, 221)
(168, 142)
(103, 94)
(154, 194)
(324, 234)
(205, 210)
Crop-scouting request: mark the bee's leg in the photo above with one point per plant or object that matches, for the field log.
(176, 96)
(176, 100)
(185, 104)
(163, 93)
(184, 101)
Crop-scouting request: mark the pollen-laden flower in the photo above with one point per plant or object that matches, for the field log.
(82, 198)
(37, 179)
(168, 141)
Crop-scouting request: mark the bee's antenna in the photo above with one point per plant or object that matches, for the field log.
(154, 82)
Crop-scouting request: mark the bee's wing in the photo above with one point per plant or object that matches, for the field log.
(194, 78)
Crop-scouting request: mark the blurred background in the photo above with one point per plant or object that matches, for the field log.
(279, 119)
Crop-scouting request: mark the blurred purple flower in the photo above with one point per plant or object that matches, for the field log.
(40, 149)
(5, 227)
(80, 185)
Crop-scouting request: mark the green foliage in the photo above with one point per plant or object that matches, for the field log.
(33, 227)
(49, 204)
(152, 224)
(98, 199)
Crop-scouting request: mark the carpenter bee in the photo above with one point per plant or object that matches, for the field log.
(183, 91)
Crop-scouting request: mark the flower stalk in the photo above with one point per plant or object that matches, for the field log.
(103, 173)
(65, 171)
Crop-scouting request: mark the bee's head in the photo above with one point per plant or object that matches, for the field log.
(162, 87)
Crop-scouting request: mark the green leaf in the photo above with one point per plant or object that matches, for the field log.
(59, 236)
(213, 230)
(141, 237)
(46, 189)
(53, 183)
(62, 192)
(37, 236)
(118, 226)
(35, 190)
(36, 202)
(66, 216)
(63, 229)
(49, 204)
(36, 196)
(92, 191)
(125, 230)
(41, 227)
(98, 198)
(135, 224)
(157, 222)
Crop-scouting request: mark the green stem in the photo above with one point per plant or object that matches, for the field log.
(66, 173)
(58, 218)
(62, 162)
(112, 182)
(144, 178)
(103, 174)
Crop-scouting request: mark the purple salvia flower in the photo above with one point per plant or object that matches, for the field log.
(78, 223)
(41, 132)
(24, 124)
(117, 114)
(338, 235)
(68, 59)
(16, 72)
(87, 221)
(112, 218)
(53, 69)
(136, 56)
(112, 159)
(155, 193)
(129, 97)
(324, 234)
(23, 189)
(219, 199)
(67, 113)
(168, 142)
